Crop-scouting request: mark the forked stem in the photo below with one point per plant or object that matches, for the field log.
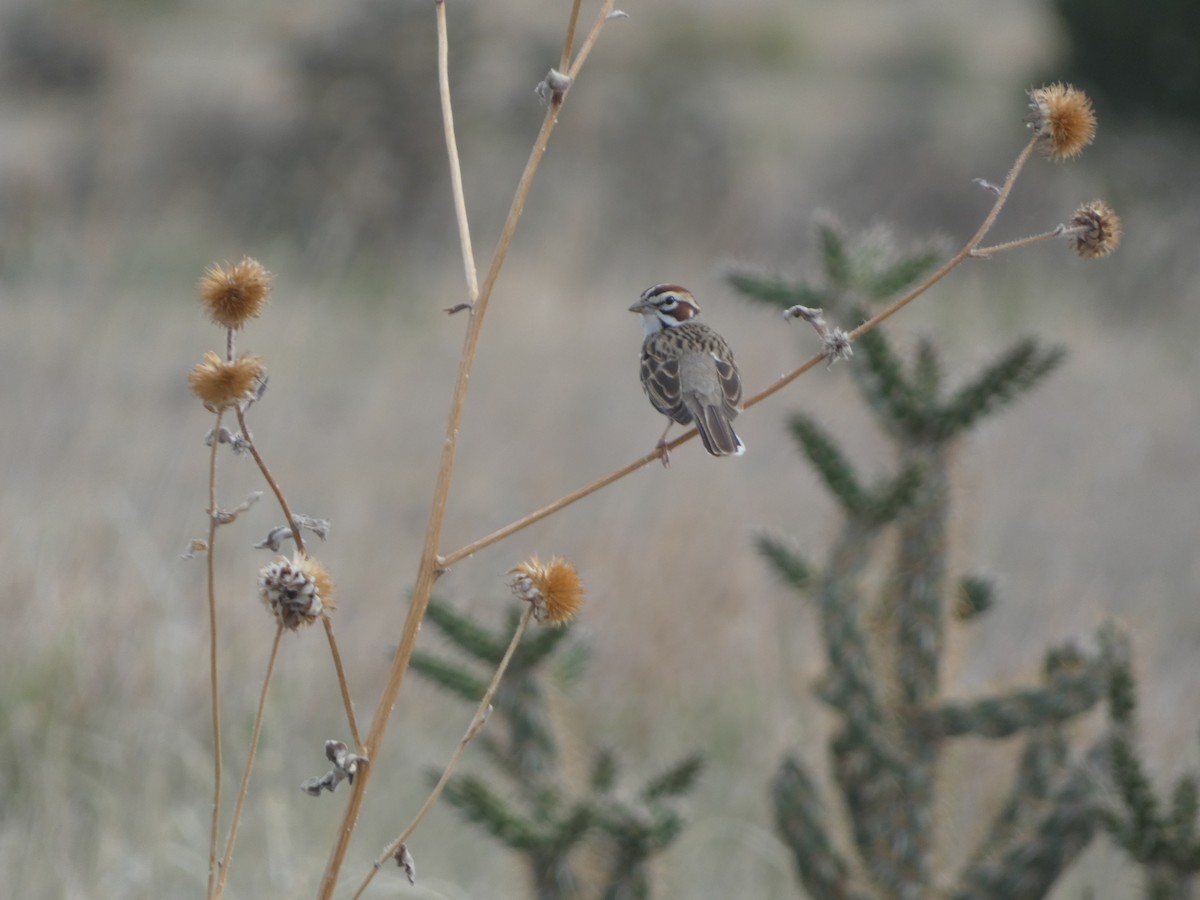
(430, 564)
(287, 514)
(478, 720)
(342, 683)
(773, 388)
(274, 485)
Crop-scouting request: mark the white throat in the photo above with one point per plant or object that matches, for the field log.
(652, 323)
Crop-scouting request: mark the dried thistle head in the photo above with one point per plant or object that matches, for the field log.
(221, 382)
(1062, 119)
(1095, 230)
(235, 294)
(554, 590)
(297, 591)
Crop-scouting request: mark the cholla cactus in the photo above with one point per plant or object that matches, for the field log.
(885, 653)
(550, 821)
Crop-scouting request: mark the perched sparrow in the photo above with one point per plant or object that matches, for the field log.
(688, 370)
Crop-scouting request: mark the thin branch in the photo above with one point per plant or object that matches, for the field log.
(241, 799)
(266, 474)
(985, 252)
(456, 186)
(214, 680)
(430, 566)
(952, 263)
(590, 41)
(342, 683)
(570, 38)
(478, 720)
(776, 386)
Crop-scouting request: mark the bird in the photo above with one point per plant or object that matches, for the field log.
(688, 370)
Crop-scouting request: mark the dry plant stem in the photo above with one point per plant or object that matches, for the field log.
(241, 799)
(776, 386)
(589, 41)
(430, 565)
(266, 474)
(476, 724)
(460, 205)
(214, 680)
(985, 252)
(342, 683)
(287, 513)
(572, 22)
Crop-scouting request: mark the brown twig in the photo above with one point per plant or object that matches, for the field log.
(477, 722)
(456, 185)
(266, 474)
(430, 568)
(985, 252)
(287, 514)
(214, 680)
(342, 683)
(773, 388)
(241, 799)
(572, 22)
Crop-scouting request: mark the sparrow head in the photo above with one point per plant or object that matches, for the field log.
(665, 306)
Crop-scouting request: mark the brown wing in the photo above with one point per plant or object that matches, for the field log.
(731, 382)
(660, 378)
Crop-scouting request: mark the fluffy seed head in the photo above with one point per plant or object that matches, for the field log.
(554, 589)
(220, 383)
(1063, 120)
(297, 591)
(235, 294)
(1095, 230)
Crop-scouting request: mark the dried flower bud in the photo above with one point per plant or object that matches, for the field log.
(236, 294)
(554, 590)
(553, 87)
(220, 382)
(404, 859)
(1062, 119)
(296, 591)
(1095, 230)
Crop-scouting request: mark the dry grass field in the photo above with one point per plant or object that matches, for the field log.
(1082, 501)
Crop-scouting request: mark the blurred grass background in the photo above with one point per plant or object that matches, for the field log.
(146, 140)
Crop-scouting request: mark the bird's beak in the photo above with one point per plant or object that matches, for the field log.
(640, 307)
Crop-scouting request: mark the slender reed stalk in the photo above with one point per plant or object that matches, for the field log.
(241, 798)
(214, 681)
(569, 40)
(342, 684)
(984, 252)
(430, 563)
(478, 720)
(776, 386)
(456, 186)
(270, 479)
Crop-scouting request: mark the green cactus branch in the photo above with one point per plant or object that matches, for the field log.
(879, 504)
(1042, 764)
(450, 676)
(801, 818)
(1164, 843)
(1031, 865)
(1066, 695)
(776, 291)
(789, 565)
(674, 781)
(466, 634)
(545, 821)
(1019, 369)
